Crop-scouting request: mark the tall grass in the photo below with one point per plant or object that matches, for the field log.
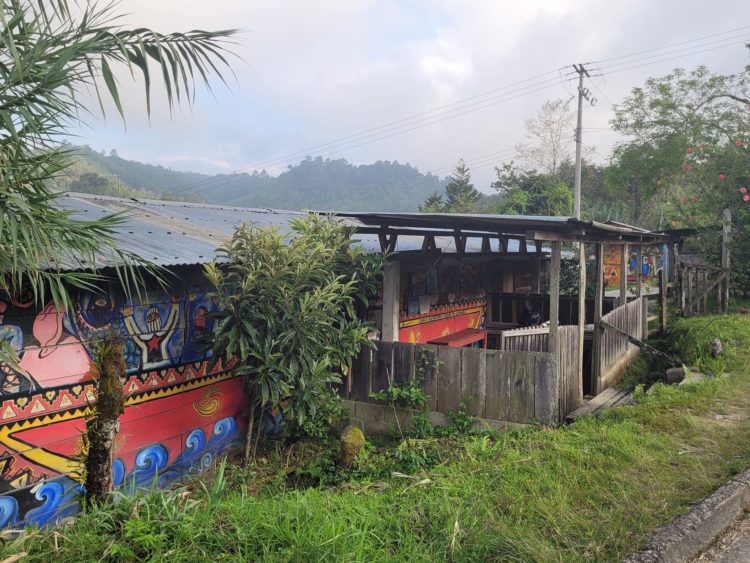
(591, 491)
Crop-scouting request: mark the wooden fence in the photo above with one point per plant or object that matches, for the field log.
(571, 391)
(613, 349)
(505, 385)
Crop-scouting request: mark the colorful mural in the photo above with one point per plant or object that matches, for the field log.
(179, 413)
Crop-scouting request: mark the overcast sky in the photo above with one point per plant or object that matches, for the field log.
(317, 71)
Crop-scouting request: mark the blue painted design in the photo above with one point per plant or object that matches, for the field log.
(118, 472)
(149, 464)
(8, 511)
(59, 498)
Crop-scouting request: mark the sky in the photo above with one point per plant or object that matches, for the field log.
(371, 80)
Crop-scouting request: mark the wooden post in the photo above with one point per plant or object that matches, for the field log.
(689, 294)
(683, 287)
(662, 302)
(596, 364)
(391, 301)
(623, 274)
(638, 270)
(581, 317)
(671, 264)
(554, 297)
(644, 317)
(726, 239)
(703, 288)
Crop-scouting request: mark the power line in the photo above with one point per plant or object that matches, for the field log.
(418, 124)
(427, 118)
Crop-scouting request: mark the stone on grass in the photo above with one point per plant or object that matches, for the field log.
(693, 377)
(675, 375)
(352, 443)
(717, 348)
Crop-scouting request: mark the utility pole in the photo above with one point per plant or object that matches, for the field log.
(582, 93)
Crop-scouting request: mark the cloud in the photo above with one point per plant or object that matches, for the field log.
(313, 72)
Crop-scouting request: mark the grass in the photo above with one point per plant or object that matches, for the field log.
(590, 491)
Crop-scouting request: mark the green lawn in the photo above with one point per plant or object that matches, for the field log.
(590, 491)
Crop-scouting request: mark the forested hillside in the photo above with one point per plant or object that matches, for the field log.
(314, 183)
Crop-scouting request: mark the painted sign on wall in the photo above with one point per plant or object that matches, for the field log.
(179, 414)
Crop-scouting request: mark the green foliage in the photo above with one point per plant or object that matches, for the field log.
(288, 311)
(460, 194)
(531, 192)
(50, 55)
(328, 418)
(461, 421)
(589, 491)
(407, 394)
(688, 157)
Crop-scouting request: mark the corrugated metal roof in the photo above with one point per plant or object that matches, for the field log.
(179, 233)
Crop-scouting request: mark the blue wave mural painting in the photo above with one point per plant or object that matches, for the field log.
(57, 498)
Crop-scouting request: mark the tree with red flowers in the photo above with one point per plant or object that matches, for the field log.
(691, 132)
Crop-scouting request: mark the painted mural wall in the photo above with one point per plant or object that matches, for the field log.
(179, 414)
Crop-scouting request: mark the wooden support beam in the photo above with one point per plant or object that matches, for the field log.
(639, 271)
(428, 243)
(391, 301)
(486, 244)
(538, 246)
(596, 356)
(689, 296)
(662, 302)
(581, 316)
(460, 240)
(502, 243)
(671, 263)
(522, 245)
(387, 241)
(554, 298)
(623, 274)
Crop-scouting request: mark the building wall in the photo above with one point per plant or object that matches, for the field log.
(180, 414)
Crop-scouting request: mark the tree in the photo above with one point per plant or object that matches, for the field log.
(550, 134)
(689, 153)
(531, 192)
(289, 313)
(433, 204)
(460, 194)
(50, 55)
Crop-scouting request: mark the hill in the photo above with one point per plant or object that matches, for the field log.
(314, 183)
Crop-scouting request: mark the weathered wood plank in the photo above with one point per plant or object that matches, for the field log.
(382, 367)
(449, 379)
(521, 367)
(497, 392)
(427, 355)
(474, 380)
(546, 389)
(361, 374)
(403, 361)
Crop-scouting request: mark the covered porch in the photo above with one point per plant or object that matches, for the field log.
(484, 283)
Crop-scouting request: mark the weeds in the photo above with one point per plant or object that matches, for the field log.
(590, 491)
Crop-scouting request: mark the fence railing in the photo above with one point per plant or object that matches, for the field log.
(614, 346)
(529, 339)
(505, 385)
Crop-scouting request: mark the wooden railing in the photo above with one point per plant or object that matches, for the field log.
(613, 347)
(528, 339)
(505, 385)
(508, 308)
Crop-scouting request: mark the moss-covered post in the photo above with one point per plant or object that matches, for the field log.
(104, 422)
